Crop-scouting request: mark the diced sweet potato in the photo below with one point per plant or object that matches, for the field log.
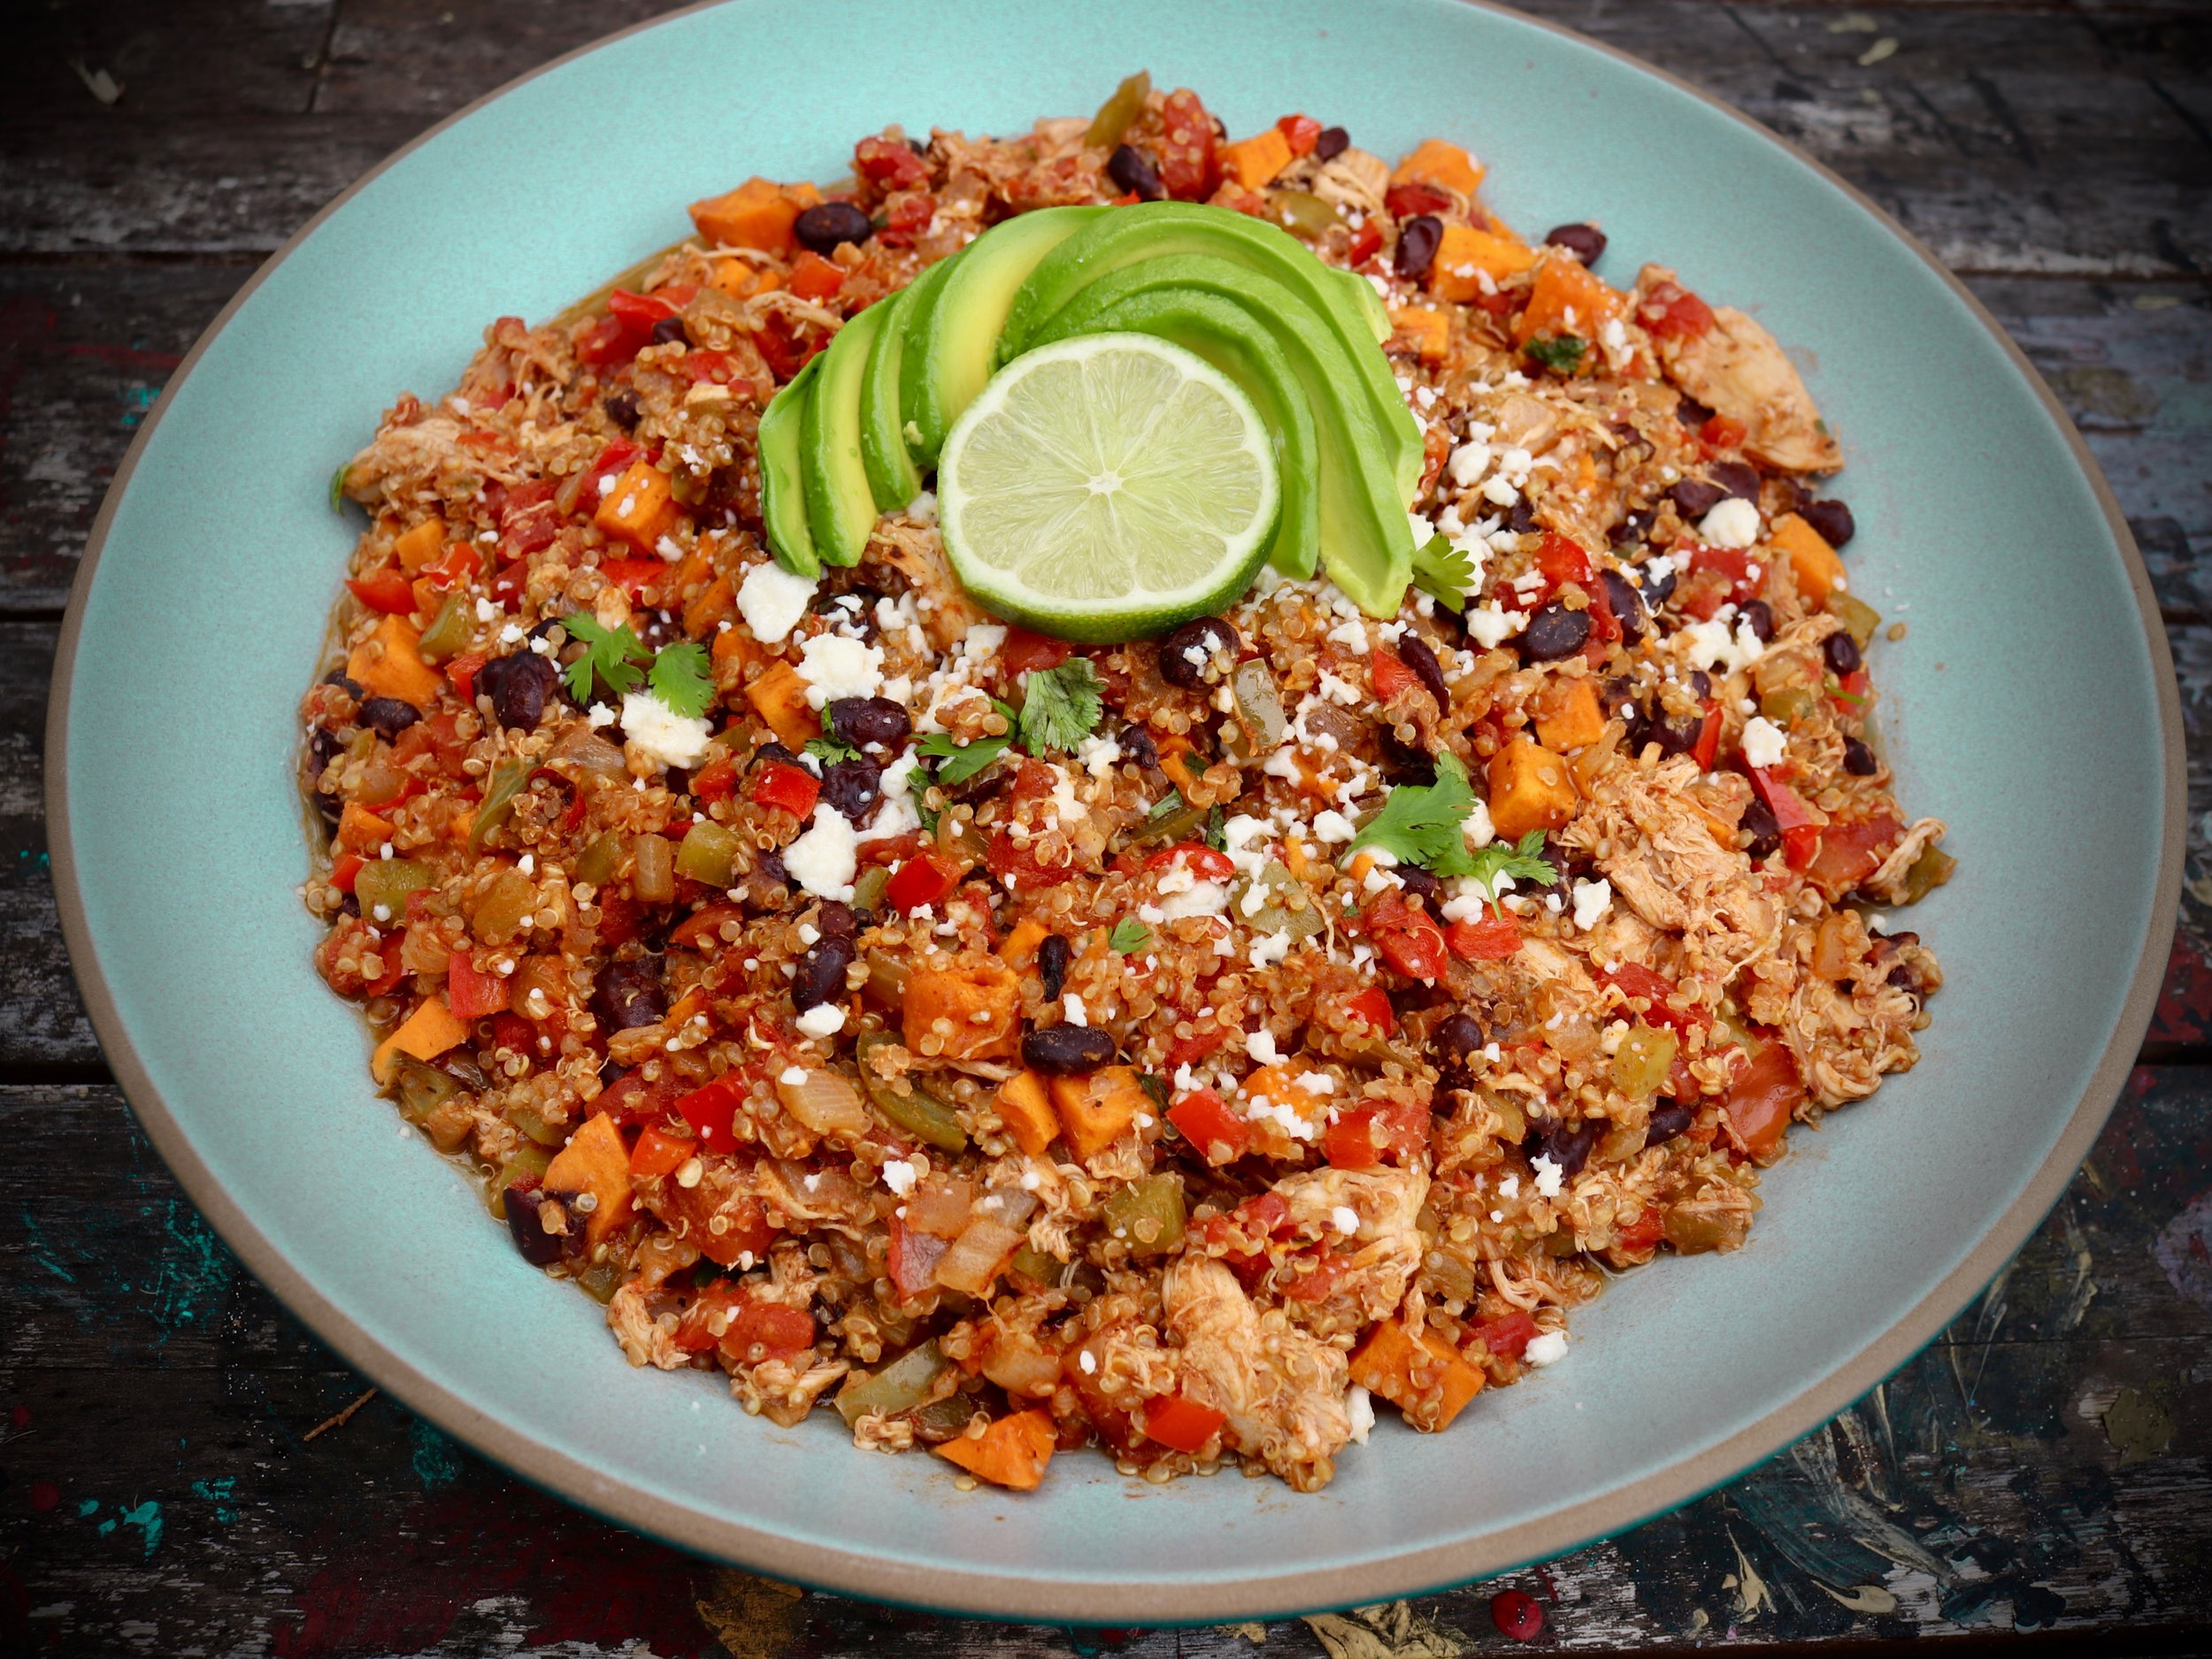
(1569, 715)
(425, 1035)
(968, 1013)
(1464, 254)
(1429, 330)
(1819, 571)
(778, 698)
(713, 605)
(360, 830)
(1437, 162)
(1565, 300)
(1255, 161)
(1019, 947)
(639, 509)
(420, 544)
(1529, 789)
(1423, 1377)
(1096, 1107)
(759, 213)
(595, 1161)
(1025, 1105)
(1014, 1452)
(388, 663)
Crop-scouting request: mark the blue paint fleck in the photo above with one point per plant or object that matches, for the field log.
(217, 1493)
(147, 1518)
(89, 1506)
(136, 400)
(436, 1462)
(42, 1255)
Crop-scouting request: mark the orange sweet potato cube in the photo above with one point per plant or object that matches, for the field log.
(968, 1013)
(1437, 162)
(418, 544)
(639, 509)
(778, 698)
(1025, 1106)
(759, 213)
(1818, 569)
(595, 1161)
(1465, 255)
(1096, 1107)
(1255, 161)
(1423, 1377)
(1530, 789)
(1565, 300)
(1567, 716)
(388, 663)
(1014, 1452)
(1429, 330)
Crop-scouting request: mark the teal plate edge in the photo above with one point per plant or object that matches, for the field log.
(1105, 1600)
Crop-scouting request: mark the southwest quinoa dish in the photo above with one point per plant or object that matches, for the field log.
(1115, 788)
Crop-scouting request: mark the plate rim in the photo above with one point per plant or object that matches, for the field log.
(974, 1592)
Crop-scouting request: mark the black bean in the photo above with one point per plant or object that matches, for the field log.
(525, 1224)
(1063, 1050)
(1414, 654)
(1615, 692)
(1702, 683)
(1634, 527)
(1759, 822)
(1331, 142)
(1694, 498)
(821, 975)
(1831, 518)
(861, 720)
(388, 716)
(769, 867)
(1690, 413)
(1210, 636)
(1138, 748)
(1417, 239)
(775, 752)
(1555, 632)
(1053, 958)
(1627, 604)
(519, 685)
(1858, 759)
(1415, 880)
(826, 224)
(337, 677)
(1738, 478)
(1403, 763)
(629, 994)
(1658, 588)
(1760, 615)
(322, 748)
(1130, 168)
(1668, 1118)
(855, 608)
(851, 786)
(835, 921)
(670, 331)
(1841, 653)
(622, 409)
(1569, 1148)
(1586, 242)
(1459, 1035)
(1520, 518)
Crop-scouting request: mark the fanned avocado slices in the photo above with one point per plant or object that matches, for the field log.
(782, 483)
(841, 506)
(892, 474)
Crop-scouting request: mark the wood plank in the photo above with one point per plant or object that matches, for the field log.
(216, 57)
(2045, 1463)
(41, 1021)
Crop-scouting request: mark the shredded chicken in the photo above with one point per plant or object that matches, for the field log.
(1384, 1203)
(1283, 1391)
(1736, 368)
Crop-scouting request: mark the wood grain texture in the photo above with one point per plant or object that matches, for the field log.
(2043, 1466)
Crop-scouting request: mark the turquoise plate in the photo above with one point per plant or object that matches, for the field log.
(2032, 707)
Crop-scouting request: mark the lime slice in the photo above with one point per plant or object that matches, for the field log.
(1107, 487)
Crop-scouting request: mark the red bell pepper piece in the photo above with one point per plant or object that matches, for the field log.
(344, 869)
(388, 591)
(1301, 131)
(1722, 432)
(1361, 1138)
(1205, 863)
(1373, 1006)
(1641, 1234)
(1027, 652)
(712, 1110)
(1849, 697)
(641, 312)
(1707, 749)
(905, 216)
(780, 783)
(1406, 937)
(1670, 311)
(813, 277)
(1491, 938)
(1181, 1424)
(922, 879)
(1189, 1050)
(1801, 831)
(1414, 199)
(715, 781)
(1760, 1100)
(608, 343)
(1207, 1124)
(636, 577)
(1509, 1336)
(1390, 675)
(659, 1153)
(1633, 978)
(470, 993)
(1366, 244)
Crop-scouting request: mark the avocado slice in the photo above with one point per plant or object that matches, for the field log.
(1366, 540)
(953, 333)
(782, 487)
(1155, 230)
(841, 506)
(891, 471)
(1231, 339)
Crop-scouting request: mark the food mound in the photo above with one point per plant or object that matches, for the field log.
(1169, 1044)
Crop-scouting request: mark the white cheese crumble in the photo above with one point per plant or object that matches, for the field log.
(834, 667)
(898, 1175)
(1261, 1046)
(1709, 645)
(1593, 899)
(1509, 1187)
(923, 508)
(1344, 1219)
(772, 600)
(824, 1019)
(824, 859)
(1549, 1175)
(1072, 1006)
(1359, 1406)
(1488, 626)
(657, 734)
(1333, 827)
(1546, 1347)
(1731, 523)
(794, 1076)
(1270, 948)
(1763, 743)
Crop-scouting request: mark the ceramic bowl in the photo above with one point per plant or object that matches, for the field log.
(2031, 707)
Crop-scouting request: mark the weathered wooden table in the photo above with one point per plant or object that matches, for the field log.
(184, 1470)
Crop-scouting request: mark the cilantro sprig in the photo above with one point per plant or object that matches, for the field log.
(680, 678)
(1129, 936)
(677, 674)
(1523, 860)
(829, 751)
(959, 762)
(1560, 353)
(1421, 824)
(1060, 706)
(1443, 573)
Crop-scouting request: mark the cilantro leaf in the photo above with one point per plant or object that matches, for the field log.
(1443, 572)
(610, 655)
(1523, 861)
(829, 751)
(338, 488)
(1420, 823)
(1060, 705)
(1129, 936)
(1562, 353)
(681, 679)
(1217, 832)
(960, 762)
(1171, 802)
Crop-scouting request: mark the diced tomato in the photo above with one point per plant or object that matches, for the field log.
(1507, 1337)
(1391, 675)
(1561, 560)
(1189, 1050)
(1641, 1234)
(1019, 860)
(1733, 562)
(780, 783)
(513, 1033)
(702, 930)
(388, 590)
(1801, 831)
(1760, 1099)
(508, 587)
(1849, 697)
(715, 781)
(1111, 1421)
(710, 1111)
(659, 1153)
(1850, 852)
(1373, 1006)
(748, 1322)
(1670, 311)
(608, 343)
(1415, 197)
(905, 216)
(1301, 131)
(529, 519)
(1706, 751)
(914, 1257)
(636, 577)
(922, 879)
(1204, 862)
(640, 311)
(889, 164)
(706, 365)
(342, 872)
(1189, 165)
(1180, 1424)
(1491, 938)
(1361, 1139)
(469, 993)
(814, 278)
(634, 1102)
(1722, 432)
(1406, 938)
(785, 346)
(1208, 1125)
(1682, 1083)
(1318, 1283)
(1026, 652)
(1633, 978)
(1366, 244)
(460, 566)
